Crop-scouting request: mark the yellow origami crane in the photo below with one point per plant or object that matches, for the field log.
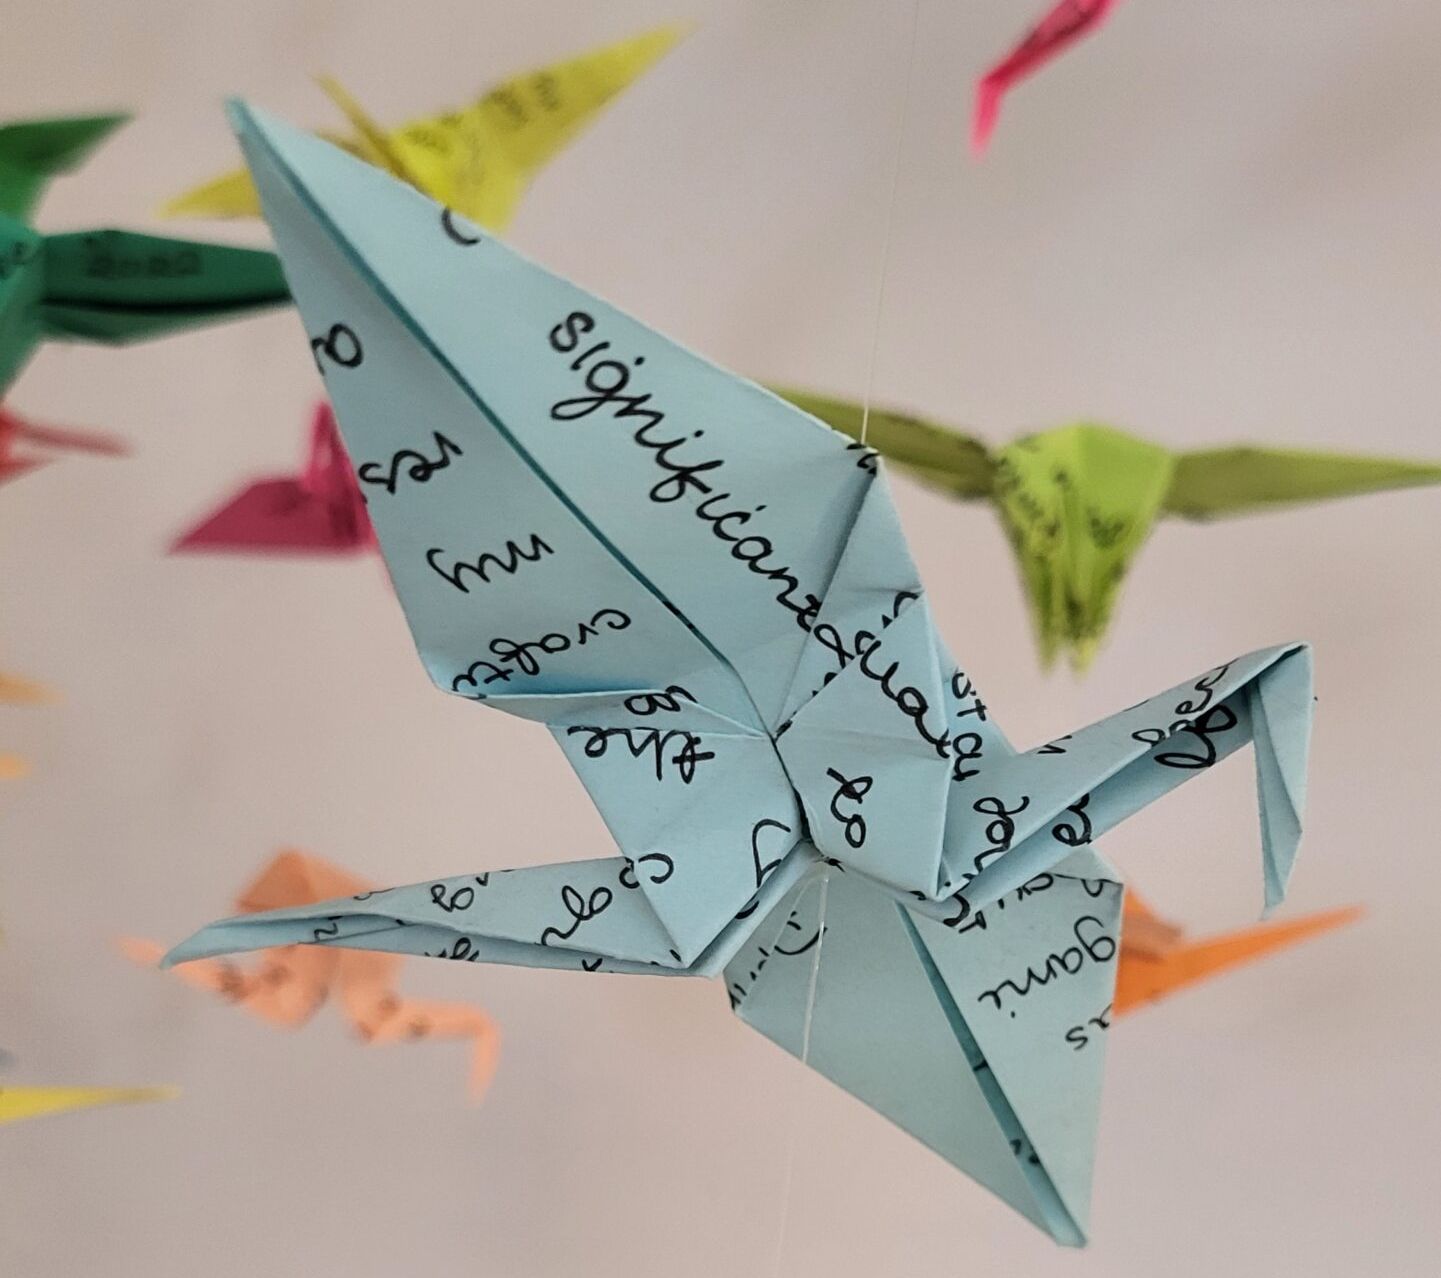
(479, 159)
(15, 691)
(33, 1102)
(1078, 502)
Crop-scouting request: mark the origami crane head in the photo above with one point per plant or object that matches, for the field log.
(480, 159)
(318, 511)
(105, 285)
(706, 596)
(1079, 502)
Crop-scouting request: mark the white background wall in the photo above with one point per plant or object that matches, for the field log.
(1212, 223)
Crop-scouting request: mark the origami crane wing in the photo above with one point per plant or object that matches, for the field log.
(944, 458)
(35, 1102)
(121, 286)
(1144, 977)
(34, 151)
(1237, 481)
(707, 597)
(477, 160)
(628, 665)
(117, 286)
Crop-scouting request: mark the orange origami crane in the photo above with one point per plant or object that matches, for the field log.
(1157, 960)
(15, 691)
(14, 429)
(293, 981)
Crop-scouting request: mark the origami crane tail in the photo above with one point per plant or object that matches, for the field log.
(1146, 978)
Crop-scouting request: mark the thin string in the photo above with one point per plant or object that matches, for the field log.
(788, 1176)
(902, 116)
(882, 271)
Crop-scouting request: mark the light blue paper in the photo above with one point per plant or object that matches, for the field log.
(706, 595)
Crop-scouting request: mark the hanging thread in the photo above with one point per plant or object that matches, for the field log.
(788, 1176)
(902, 117)
(882, 270)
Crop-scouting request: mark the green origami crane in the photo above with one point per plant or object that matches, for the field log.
(104, 286)
(1078, 502)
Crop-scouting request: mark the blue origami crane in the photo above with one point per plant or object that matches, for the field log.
(705, 595)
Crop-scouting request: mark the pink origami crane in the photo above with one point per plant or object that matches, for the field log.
(1063, 25)
(14, 429)
(318, 512)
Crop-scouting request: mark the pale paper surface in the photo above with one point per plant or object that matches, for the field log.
(790, 661)
(1257, 283)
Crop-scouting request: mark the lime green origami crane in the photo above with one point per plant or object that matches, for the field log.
(1078, 502)
(104, 286)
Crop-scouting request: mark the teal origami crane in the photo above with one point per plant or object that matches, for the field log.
(104, 286)
(705, 595)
